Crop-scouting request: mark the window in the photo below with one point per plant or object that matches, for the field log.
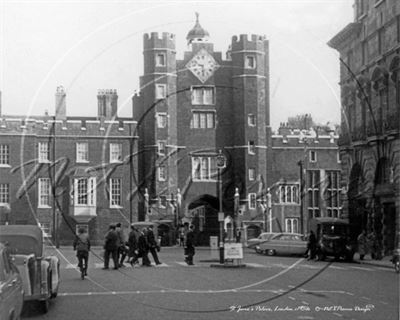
(161, 91)
(313, 185)
(4, 193)
(115, 152)
(250, 62)
(251, 147)
(313, 156)
(252, 201)
(44, 152)
(162, 120)
(4, 155)
(85, 191)
(332, 193)
(203, 95)
(160, 59)
(252, 174)
(251, 120)
(162, 202)
(82, 152)
(289, 194)
(44, 192)
(161, 173)
(292, 225)
(204, 168)
(203, 120)
(161, 148)
(115, 192)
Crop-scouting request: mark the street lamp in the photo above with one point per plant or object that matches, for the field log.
(300, 164)
(220, 165)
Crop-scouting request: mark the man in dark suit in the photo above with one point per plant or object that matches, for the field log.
(143, 248)
(153, 245)
(189, 246)
(111, 247)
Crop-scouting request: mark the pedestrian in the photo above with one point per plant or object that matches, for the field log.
(238, 236)
(371, 244)
(181, 235)
(133, 254)
(362, 242)
(111, 247)
(82, 246)
(189, 246)
(143, 248)
(121, 244)
(311, 246)
(153, 245)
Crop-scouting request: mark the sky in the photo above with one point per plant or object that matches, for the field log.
(89, 45)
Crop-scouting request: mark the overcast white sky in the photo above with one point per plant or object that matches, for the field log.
(88, 45)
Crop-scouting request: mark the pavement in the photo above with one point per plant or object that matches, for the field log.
(385, 262)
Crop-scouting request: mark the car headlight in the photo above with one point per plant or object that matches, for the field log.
(258, 247)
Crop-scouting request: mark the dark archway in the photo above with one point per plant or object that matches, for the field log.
(204, 214)
(358, 214)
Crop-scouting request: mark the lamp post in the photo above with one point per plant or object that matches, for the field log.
(269, 209)
(300, 164)
(220, 165)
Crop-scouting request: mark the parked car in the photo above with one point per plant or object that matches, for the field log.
(252, 243)
(283, 244)
(40, 275)
(333, 238)
(11, 287)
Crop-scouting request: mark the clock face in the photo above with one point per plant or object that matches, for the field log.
(202, 65)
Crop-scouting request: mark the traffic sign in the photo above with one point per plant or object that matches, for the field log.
(221, 216)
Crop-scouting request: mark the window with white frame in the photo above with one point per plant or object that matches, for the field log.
(252, 120)
(252, 147)
(162, 175)
(161, 147)
(115, 192)
(44, 192)
(44, 152)
(332, 193)
(160, 60)
(204, 168)
(289, 194)
(203, 120)
(4, 155)
(162, 202)
(82, 152)
(292, 225)
(162, 119)
(85, 191)
(115, 152)
(252, 174)
(161, 91)
(313, 156)
(4, 193)
(203, 95)
(313, 193)
(338, 157)
(252, 201)
(250, 62)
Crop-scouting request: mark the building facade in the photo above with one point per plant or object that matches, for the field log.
(369, 50)
(190, 111)
(67, 172)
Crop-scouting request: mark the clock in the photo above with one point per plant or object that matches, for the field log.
(202, 65)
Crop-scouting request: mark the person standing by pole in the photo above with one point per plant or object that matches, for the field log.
(121, 244)
(111, 247)
(153, 245)
(189, 246)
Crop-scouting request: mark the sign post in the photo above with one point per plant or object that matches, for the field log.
(220, 165)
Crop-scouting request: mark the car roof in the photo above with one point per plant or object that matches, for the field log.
(24, 239)
(330, 220)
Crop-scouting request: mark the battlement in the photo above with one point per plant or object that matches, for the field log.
(159, 40)
(70, 127)
(106, 91)
(248, 42)
(305, 141)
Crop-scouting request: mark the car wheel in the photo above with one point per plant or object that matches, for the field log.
(270, 252)
(44, 305)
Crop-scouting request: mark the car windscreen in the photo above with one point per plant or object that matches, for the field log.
(22, 244)
(335, 229)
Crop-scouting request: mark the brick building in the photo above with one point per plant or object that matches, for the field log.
(369, 50)
(68, 171)
(189, 110)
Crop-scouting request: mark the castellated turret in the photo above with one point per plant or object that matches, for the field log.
(61, 106)
(107, 100)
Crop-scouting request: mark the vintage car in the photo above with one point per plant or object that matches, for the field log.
(40, 275)
(11, 287)
(283, 244)
(252, 243)
(333, 238)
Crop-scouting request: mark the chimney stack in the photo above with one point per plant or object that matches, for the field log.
(61, 107)
(107, 101)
